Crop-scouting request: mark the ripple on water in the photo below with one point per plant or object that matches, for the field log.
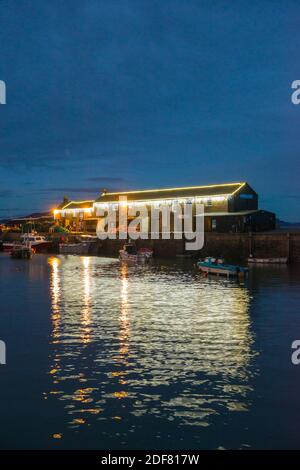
(159, 340)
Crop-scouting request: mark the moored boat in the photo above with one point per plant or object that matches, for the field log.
(253, 260)
(37, 242)
(217, 266)
(7, 246)
(131, 253)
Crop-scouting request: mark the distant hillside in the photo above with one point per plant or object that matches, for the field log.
(34, 215)
(283, 224)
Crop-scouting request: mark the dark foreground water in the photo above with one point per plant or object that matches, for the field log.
(106, 356)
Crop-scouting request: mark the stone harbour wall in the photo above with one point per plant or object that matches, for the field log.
(233, 246)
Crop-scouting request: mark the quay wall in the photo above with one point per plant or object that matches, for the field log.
(233, 246)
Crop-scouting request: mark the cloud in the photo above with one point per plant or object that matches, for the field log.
(135, 87)
(107, 179)
(85, 190)
(71, 190)
(5, 193)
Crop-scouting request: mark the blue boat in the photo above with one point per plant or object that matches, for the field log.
(217, 266)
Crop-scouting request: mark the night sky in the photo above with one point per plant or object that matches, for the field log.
(148, 94)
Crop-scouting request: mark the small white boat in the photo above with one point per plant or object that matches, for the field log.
(37, 242)
(217, 266)
(253, 260)
(33, 238)
(11, 245)
(131, 253)
(8, 246)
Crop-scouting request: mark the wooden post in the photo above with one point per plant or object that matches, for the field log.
(288, 246)
(250, 243)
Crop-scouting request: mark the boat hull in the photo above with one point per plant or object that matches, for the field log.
(6, 247)
(222, 270)
(43, 247)
(267, 260)
(133, 258)
(142, 257)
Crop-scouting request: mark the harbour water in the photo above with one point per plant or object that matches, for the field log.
(102, 355)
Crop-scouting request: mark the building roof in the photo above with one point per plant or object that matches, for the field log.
(78, 205)
(229, 214)
(171, 193)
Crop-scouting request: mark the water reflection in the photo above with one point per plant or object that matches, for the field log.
(121, 361)
(129, 341)
(86, 307)
(124, 314)
(55, 296)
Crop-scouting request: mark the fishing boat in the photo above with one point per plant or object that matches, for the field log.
(7, 247)
(131, 253)
(38, 242)
(217, 266)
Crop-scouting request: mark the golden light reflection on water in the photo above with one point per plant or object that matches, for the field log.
(124, 335)
(55, 295)
(165, 341)
(55, 292)
(86, 308)
(124, 315)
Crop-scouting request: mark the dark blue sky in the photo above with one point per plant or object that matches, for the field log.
(141, 94)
